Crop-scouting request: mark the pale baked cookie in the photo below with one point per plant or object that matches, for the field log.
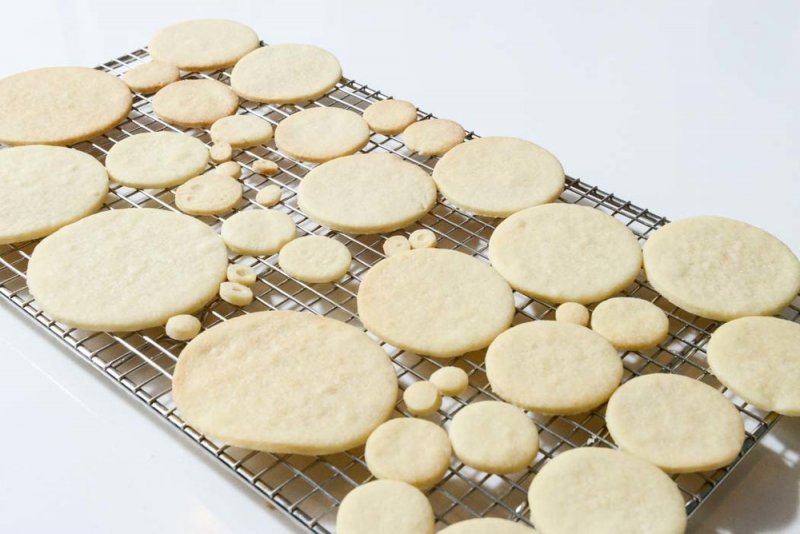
(553, 368)
(269, 196)
(212, 193)
(220, 152)
(241, 131)
(572, 312)
(759, 359)
(604, 491)
(195, 103)
(241, 274)
(630, 323)
(385, 506)
(422, 398)
(285, 74)
(565, 253)
(203, 44)
(260, 381)
(258, 232)
(266, 167)
(721, 268)
(43, 188)
(127, 269)
(366, 193)
(433, 137)
(422, 238)
(150, 77)
(436, 302)
(183, 327)
(231, 168)
(235, 293)
(450, 380)
(321, 134)
(494, 437)
(396, 244)
(156, 159)
(390, 117)
(60, 105)
(412, 450)
(487, 525)
(315, 259)
(498, 176)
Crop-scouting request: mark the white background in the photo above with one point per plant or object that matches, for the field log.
(682, 107)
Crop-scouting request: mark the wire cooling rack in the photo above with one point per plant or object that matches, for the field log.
(309, 489)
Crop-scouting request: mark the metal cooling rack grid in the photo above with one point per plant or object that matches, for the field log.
(309, 489)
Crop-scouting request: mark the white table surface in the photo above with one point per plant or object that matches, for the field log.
(682, 107)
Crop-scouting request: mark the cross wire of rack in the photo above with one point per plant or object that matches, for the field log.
(309, 489)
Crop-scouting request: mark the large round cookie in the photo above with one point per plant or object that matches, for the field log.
(487, 525)
(436, 302)
(195, 103)
(389, 506)
(156, 159)
(721, 268)
(60, 105)
(128, 269)
(321, 134)
(203, 44)
(565, 253)
(287, 382)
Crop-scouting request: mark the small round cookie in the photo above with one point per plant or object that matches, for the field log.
(203, 44)
(412, 450)
(155, 160)
(315, 259)
(759, 359)
(422, 398)
(396, 244)
(436, 302)
(498, 176)
(43, 188)
(721, 268)
(433, 137)
(603, 491)
(450, 380)
(183, 327)
(565, 253)
(553, 368)
(269, 196)
(220, 152)
(285, 74)
(60, 105)
(572, 312)
(266, 167)
(385, 506)
(366, 193)
(390, 117)
(241, 131)
(258, 232)
(195, 103)
(231, 168)
(212, 193)
(494, 437)
(241, 274)
(422, 238)
(630, 323)
(150, 77)
(235, 293)
(321, 134)
(487, 525)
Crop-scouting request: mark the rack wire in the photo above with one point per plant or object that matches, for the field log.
(309, 489)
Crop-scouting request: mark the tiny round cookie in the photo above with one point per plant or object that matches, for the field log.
(266, 167)
(203, 44)
(433, 137)
(315, 259)
(553, 368)
(390, 117)
(721, 268)
(60, 105)
(572, 312)
(235, 293)
(486, 525)
(366, 193)
(494, 437)
(636, 496)
(498, 176)
(241, 131)
(155, 160)
(45, 188)
(630, 323)
(422, 238)
(269, 196)
(422, 398)
(385, 506)
(183, 327)
(321, 134)
(396, 244)
(258, 232)
(220, 152)
(150, 77)
(241, 274)
(759, 359)
(231, 168)
(285, 74)
(435, 302)
(565, 253)
(212, 193)
(195, 103)
(412, 450)
(450, 380)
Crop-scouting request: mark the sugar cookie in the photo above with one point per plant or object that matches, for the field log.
(422, 398)
(183, 327)
(148, 78)
(572, 312)
(231, 168)
(385, 506)
(212, 193)
(422, 238)
(195, 103)
(433, 137)
(269, 196)
(266, 167)
(390, 117)
(155, 160)
(235, 293)
(241, 131)
(396, 244)
(258, 232)
(203, 44)
(487, 525)
(220, 152)
(241, 274)
(315, 259)
(450, 380)
(321, 134)
(630, 323)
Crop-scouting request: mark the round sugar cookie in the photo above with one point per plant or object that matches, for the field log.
(565, 253)
(572, 312)
(721, 268)
(433, 137)
(127, 269)
(183, 327)
(285, 74)
(241, 274)
(450, 380)
(269, 196)
(494, 437)
(258, 232)
(321, 134)
(148, 78)
(203, 44)
(390, 117)
(235, 293)
(262, 381)
(553, 368)
(498, 176)
(43, 188)
(396, 244)
(156, 159)
(241, 131)
(231, 168)
(487, 525)
(195, 103)
(422, 398)
(630, 323)
(212, 193)
(412, 450)
(422, 238)
(604, 491)
(385, 506)
(60, 105)
(315, 259)
(759, 359)
(435, 302)
(366, 193)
